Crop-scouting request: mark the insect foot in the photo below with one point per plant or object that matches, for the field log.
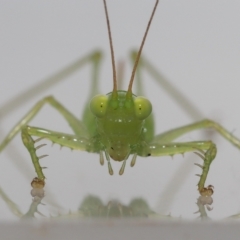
(38, 183)
(207, 192)
(37, 192)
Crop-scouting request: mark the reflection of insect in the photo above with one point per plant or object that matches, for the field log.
(122, 125)
(92, 206)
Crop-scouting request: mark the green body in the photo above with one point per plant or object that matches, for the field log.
(119, 124)
(121, 130)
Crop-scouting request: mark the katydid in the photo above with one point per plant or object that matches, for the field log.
(118, 125)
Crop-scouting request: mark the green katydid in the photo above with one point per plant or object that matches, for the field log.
(119, 125)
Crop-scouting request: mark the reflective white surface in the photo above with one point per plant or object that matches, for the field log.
(118, 229)
(195, 44)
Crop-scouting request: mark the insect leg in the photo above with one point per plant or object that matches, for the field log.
(67, 140)
(94, 58)
(171, 135)
(165, 83)
(161, 149)
(77, 126)
(74, 123)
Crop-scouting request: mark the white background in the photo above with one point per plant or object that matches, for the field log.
(195, 44)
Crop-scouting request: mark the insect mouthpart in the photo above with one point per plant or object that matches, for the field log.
(119, 151)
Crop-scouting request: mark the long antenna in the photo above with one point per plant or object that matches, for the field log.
(129, 93)
(111, 48)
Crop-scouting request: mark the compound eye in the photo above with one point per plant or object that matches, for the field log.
(143, 107)
(98, 105)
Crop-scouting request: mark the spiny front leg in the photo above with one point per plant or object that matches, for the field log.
(170, 149)
(207, 158)
(66, 140)
(29, 144)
